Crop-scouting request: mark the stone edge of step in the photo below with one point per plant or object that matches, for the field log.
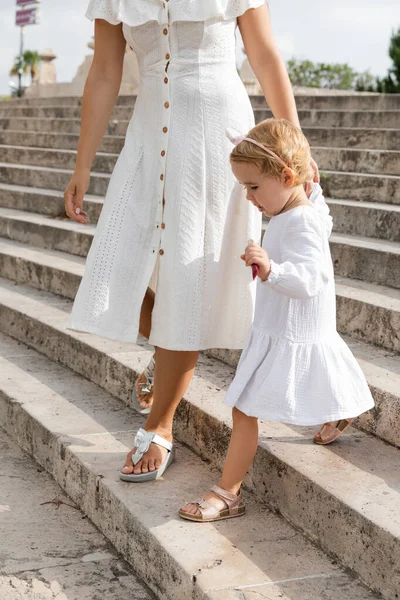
(197, 417)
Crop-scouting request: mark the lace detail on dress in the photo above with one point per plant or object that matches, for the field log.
(138, 12)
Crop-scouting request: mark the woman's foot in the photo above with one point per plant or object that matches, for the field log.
(331, 431)
(144, 387)
(215, 505)
(151, 461)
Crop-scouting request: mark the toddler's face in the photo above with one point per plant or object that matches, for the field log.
(268, 194)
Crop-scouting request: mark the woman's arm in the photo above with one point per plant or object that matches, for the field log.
(267, 63)
(101, 91)
(269, 68)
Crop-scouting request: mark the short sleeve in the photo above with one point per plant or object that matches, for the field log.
(104, 9)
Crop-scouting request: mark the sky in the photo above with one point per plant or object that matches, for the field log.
(352, 31)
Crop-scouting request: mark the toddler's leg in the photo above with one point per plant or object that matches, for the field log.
(241, 452)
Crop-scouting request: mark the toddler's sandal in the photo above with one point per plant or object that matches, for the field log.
(330, 432)
(235, 507)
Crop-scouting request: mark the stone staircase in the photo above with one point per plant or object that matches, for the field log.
(314, 513)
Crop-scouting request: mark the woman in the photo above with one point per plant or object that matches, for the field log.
(173, 214)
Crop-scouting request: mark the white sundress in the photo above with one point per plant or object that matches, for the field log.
(296, 368)
(173, 208)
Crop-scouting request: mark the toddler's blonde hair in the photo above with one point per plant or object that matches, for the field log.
(285, 140)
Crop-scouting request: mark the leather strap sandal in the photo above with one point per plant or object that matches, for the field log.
(235, 507)
(331, 431)
(142, 443)
(144, 388)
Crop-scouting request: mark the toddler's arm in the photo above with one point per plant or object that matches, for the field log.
(303, 272)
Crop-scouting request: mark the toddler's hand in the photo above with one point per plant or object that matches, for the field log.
(255, 255)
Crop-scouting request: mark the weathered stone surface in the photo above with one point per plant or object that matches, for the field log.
(362, 161)
(80, 435)
(64, 159)
(44, 202)
(52, 179)
(62, 141)
(361, 186)
(368, 219)
(51, 551)
(341, 118)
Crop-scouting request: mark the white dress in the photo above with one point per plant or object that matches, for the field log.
(296, 368)
(173, 208)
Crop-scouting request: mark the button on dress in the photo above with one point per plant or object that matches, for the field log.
(173, 213)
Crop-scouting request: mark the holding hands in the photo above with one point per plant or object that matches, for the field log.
(255, 255)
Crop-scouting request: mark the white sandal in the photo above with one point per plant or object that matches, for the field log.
(235, 507)
(142, 443)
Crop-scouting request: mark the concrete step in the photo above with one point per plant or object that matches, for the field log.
(352, 137)
(57, 416)
(314, 117)
(48, 125)
(366, 311)
(369, 219)
(346, 498)
(361, 101)
(74, 560)
(339, 159)
(379, 162)
(45, 157)
(61, 141)
(367, 259)
(46, 177)
(341, 118)
(45, 202)
(361, 186)
(331, 137)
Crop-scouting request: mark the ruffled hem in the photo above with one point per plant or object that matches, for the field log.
(140, 12)
(299, 383)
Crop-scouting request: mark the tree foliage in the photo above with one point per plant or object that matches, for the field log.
(321, 75)
(29, 64)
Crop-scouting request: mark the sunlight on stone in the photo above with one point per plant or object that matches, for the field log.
(4, 508)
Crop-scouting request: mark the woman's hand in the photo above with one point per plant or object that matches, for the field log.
(315, 170)
(74, 194)
(255, 255)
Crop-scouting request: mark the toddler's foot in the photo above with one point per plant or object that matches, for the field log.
(215, 505)
(331, 431)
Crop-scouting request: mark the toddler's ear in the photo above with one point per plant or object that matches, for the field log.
(287, 177)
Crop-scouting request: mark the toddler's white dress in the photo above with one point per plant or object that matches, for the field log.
(295, 367)
(173, 208)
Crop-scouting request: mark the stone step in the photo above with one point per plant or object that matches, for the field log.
(314, 117)
(46, 177)
(361, 186)
(46, 157)
(45, 202)
(381, 221)
(367, 259)
(342, 137)
(60, 141)
(336, 184)
(341, 118)
(352, 137)
(361, 101)
(366, 311)
(116, 127)
(378, 162)
(370, 219)
(333, 159)
(347, 498)
(56, 416)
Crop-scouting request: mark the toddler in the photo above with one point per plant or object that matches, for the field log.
(295, 368)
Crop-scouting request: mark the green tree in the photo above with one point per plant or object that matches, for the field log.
(391, 82)
(305, 73)
(29, 64)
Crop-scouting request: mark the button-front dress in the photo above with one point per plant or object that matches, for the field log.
(173, 212)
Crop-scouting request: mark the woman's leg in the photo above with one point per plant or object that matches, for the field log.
(143, 384)
(241, 452)
(146, 313)
(173, 373)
